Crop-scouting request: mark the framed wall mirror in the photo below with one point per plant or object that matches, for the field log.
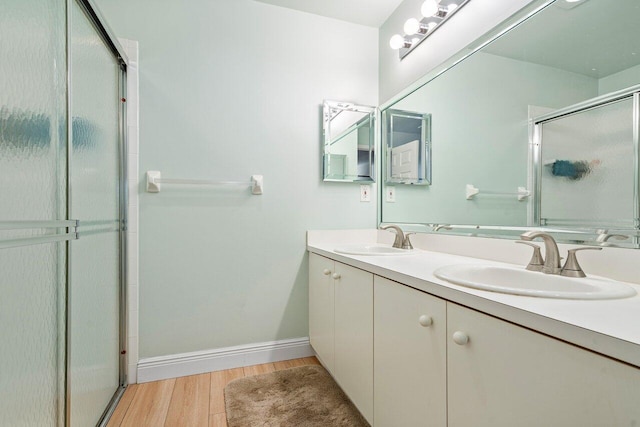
(348, 142)
(535, 125)
(406, 136)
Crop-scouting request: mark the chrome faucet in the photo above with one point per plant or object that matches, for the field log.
(401, 241)
(552, 254)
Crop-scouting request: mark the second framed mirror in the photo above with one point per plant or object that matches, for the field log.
(406, 137)
(349, 141)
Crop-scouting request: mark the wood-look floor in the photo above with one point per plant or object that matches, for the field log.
(193, 401)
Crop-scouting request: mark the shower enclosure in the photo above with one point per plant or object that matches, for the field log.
(62, 214)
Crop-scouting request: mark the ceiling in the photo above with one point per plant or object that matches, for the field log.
(595, 38)
(372, 13)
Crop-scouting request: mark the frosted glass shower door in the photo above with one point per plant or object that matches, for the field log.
(589, 167)
(94, 280)
(33, 230)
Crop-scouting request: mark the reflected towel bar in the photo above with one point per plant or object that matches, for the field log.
(154, 181)
(472, 191)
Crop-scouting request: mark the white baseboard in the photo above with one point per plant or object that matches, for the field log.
(198, 362)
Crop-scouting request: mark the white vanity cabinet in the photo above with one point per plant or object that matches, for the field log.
(321, 308)
(408, 358)
(341, 326)
(410, 354)
(500, 374)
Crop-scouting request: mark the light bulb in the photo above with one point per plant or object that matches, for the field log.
(412, 26)
(451, 7)
(429, 8)
(396, 42)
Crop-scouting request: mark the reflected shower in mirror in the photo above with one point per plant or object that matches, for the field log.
(348, 141)
(587, 162)
(557, 69)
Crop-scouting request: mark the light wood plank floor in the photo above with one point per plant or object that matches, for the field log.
(192, 401)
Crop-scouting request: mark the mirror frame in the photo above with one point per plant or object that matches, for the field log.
(570, 235)
(327, 108)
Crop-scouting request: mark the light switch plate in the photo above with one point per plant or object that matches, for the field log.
(365, 193)
(391, 194)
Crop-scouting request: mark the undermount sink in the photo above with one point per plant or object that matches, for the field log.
(518, 281)
(372, 249)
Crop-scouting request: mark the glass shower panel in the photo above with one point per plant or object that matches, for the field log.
(32, 368)
(32, 188)
(588, 167)
(94, 258)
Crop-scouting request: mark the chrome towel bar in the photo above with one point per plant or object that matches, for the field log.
(154, 181)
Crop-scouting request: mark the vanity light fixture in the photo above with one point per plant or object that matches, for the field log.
(413, 26)
(399, 42)
(429, 8)
(434, 13)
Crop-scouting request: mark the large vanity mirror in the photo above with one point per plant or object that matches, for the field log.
(535, 127)
(348, 142)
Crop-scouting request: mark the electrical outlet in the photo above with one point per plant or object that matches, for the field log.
(391, 194)
(365, 193)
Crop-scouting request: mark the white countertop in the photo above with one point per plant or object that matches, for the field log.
(609, 327)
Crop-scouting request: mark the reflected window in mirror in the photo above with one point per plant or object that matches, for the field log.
(348, 142)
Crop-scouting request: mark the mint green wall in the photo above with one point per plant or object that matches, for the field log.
(230, 88)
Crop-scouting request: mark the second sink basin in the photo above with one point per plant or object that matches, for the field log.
(518, 281)
(372, 249)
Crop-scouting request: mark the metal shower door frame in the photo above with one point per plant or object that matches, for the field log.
(107, 35)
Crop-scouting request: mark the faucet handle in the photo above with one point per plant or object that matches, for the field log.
(536, 263)
(406, 243)
(571, 267)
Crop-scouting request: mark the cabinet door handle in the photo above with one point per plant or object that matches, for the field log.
(336, 276)
(460, 338)
(425, 320)
(326, 272)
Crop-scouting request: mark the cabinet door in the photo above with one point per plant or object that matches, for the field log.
(410, 371)
(354, 336)
(321, 308)
(506, 375)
